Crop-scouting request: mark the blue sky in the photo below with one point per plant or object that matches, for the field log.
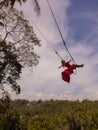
(83, 18)
(78, 21)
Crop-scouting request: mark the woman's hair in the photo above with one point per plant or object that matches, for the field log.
(63, 62)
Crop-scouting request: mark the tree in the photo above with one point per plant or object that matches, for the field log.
(17, 41)
(11, 3)
(9, 118)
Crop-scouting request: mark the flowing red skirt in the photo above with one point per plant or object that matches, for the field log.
(65, 76)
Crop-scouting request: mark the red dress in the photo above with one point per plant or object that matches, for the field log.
(67, 72)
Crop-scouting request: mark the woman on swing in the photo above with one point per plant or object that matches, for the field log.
(70, 69)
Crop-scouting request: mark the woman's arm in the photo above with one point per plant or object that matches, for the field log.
(77, 66)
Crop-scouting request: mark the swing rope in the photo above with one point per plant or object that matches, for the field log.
(60, 32)
(47, 41)
(44, 37)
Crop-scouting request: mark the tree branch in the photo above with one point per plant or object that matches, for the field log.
(18, 41)
(2, 3)
(7, 33)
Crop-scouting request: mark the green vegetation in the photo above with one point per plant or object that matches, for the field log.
(17, 43)
(48, 115)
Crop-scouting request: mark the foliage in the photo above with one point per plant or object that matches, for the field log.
(17, 41)
(9, 118)
(48, 115)
(11, 3)
(58, 115)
